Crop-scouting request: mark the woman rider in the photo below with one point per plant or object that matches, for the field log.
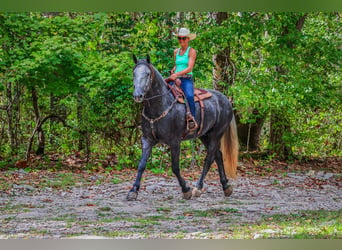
(185, 58)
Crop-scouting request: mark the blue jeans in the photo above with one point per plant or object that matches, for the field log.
(188, 88)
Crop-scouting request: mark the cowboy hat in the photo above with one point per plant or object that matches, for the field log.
(185, 32)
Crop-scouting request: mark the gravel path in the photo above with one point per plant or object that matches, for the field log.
(101, 211)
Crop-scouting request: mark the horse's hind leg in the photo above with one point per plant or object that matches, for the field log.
(227, 189)
(211, 146)
(175, 152)
(146, 152)
(209, 159)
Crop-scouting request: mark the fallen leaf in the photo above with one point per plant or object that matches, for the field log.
(47, 200)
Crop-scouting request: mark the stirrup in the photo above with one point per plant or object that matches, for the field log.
(191, 124)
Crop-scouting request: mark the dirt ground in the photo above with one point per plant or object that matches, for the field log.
(100, 210)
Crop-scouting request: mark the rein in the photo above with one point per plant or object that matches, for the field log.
(156, 96)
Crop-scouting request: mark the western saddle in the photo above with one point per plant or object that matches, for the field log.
(199, 96)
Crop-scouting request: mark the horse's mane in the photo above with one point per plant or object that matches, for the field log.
(150, 65)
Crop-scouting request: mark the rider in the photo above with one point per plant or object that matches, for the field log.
(185, 58)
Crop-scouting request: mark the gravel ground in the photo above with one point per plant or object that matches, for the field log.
(101, 211)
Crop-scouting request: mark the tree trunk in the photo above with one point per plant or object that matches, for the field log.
(249, 133)
(82, 136)
(10, 123)
(84, 142)
(180, 16)
(41, 136)
(224, 74)
(280, 125)
(19, 138)
(52, 132)
(224, 70)
(2, 131)
(39, 127)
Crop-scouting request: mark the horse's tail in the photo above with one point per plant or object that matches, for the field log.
(230, 149)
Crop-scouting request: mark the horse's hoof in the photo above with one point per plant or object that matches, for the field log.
(187, 195)
(228, 191)
(132, 196)
(196, 192)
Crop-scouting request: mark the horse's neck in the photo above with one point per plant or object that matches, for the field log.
(159, 97)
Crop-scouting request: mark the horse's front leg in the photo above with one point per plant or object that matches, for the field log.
(146, 152)
(175, 152)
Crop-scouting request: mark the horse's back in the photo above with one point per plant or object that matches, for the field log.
(218, 107)
(221, 102)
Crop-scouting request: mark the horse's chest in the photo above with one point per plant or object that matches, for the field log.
(164, 130)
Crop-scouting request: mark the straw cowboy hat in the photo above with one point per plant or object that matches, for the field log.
(185, 32)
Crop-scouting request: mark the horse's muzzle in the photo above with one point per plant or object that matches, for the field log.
(138, 98)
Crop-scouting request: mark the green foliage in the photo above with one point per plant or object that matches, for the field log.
(285, 71)
(83, 62)
(320, 132)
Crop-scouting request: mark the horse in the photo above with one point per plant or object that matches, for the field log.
(163, 121)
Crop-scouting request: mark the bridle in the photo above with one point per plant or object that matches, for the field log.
(153, 74)
(165, 112)
(146, 88)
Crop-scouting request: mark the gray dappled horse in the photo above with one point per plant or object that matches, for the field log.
(164, 121)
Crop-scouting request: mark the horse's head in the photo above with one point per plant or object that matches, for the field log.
(142, 78)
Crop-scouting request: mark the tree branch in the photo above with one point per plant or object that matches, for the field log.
(39, 125)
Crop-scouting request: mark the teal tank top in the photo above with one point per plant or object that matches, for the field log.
(182, 61)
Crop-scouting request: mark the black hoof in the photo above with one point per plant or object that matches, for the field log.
(132, 196)
(228, 191)
(187, 195)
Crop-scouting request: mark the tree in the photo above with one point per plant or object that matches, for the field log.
(68, 77)
(292, 75)
(233, 37)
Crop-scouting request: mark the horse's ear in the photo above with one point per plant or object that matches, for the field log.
(135, 59)
(148, 60)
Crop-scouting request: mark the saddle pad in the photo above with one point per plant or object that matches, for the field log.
(200, 94)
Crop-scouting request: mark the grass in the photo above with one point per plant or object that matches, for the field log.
(297, 225)
(300, 225)
(37, 179)
(303, 225)
(63, 180)
(4, 185)
(10, 208)
(212, 212)
(117, 180)
(164, 209)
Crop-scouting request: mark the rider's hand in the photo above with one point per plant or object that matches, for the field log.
(173, 77)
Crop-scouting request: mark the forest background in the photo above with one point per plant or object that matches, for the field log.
(66, 82)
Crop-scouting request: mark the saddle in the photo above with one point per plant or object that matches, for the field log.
(199, 96)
